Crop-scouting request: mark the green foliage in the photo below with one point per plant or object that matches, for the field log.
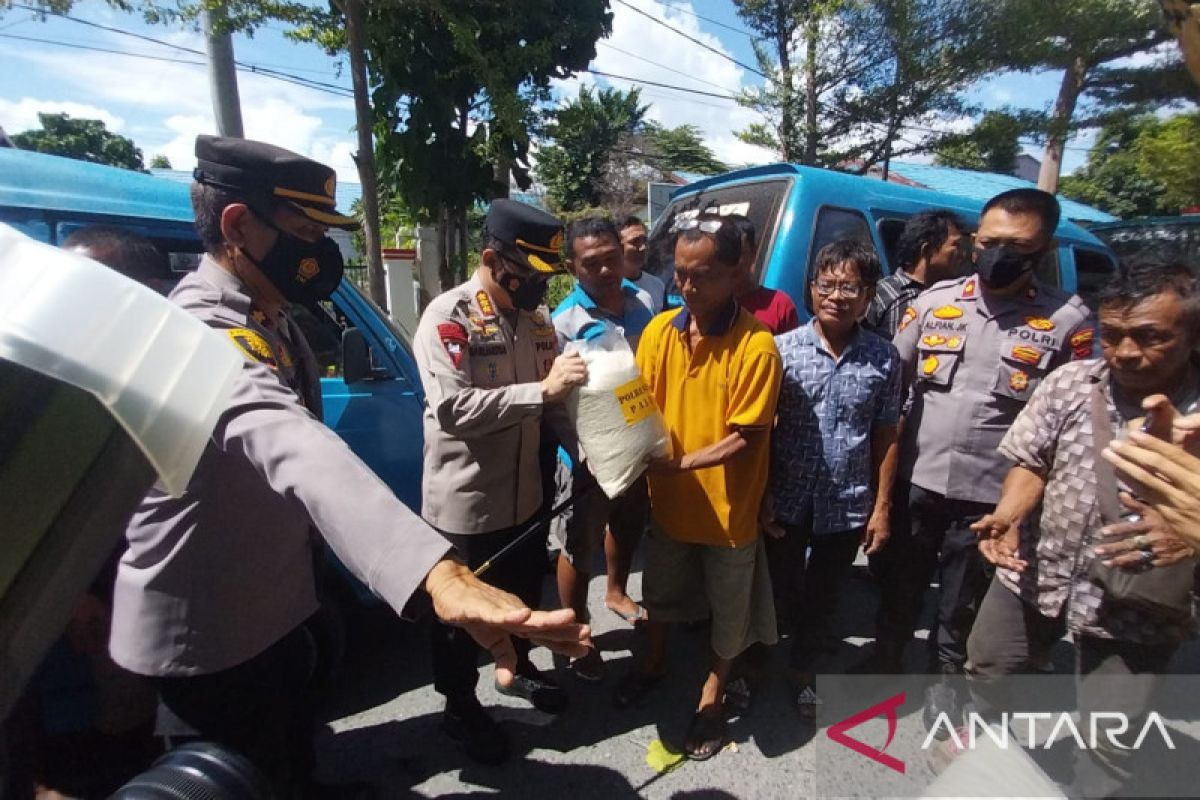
(1125, 172)
(455, 84)
(848, 77)
(584, 134)
(993, 146)
(83, 139)
(681, 149)
(560, 286)
(160, 161)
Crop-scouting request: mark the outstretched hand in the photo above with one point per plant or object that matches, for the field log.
(493, 616)
(999, 540)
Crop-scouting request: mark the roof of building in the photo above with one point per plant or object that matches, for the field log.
(983, 186)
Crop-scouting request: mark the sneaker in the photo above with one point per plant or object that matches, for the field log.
(806, 698)
(466, 722)
(738, 695)
(589, 668)
(943, 698)
(542, 693)
(947, 750)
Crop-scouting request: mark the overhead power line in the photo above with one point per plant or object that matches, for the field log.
(693, 39)
(700, 92)
(318, 86)
(608, 46)
(686, 9)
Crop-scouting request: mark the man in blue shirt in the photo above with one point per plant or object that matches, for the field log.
(834, 448)
(602, 296)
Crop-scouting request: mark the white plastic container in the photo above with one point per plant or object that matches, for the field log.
(164, 375)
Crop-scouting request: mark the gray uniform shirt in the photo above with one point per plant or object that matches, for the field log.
(482, 375)
(976, 360)
(213, 578)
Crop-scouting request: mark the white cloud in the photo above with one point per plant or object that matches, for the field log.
(171, 104)
(717, 119)
(22, 115)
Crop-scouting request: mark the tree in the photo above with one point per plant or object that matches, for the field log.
(582, 137)
(1086, 41)
(83, 139)
(869, 72)
(1169, 153)
(681, 149)
(992, 146)
(1111, 179)
(160, 161)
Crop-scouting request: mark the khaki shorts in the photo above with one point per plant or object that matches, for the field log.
(578, 529)
(684, 582)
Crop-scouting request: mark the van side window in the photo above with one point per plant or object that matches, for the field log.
(1093, 269)
(324, 336)
(1047, 270)
(889, 233)
(835, 224)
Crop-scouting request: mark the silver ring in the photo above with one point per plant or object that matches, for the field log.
(1147, 556)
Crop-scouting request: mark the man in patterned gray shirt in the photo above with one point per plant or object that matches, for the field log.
(1149, 327)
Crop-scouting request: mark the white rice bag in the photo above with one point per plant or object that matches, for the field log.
(619, 426)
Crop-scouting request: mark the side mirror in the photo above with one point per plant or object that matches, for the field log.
(356, 356)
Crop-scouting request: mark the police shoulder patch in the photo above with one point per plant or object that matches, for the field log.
(253, 346)
(910, 314)
(454, 339)
(1081, 344)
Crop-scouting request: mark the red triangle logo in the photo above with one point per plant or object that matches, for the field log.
(837, 732)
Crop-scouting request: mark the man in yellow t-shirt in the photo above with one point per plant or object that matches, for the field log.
(715, 373)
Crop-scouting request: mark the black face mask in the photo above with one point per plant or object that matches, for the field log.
(527, 292)
(1001, 266)
(303, 272)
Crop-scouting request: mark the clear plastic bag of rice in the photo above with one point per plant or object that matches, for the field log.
(619, 426)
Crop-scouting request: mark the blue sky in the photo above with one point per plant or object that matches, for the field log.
(163, 104)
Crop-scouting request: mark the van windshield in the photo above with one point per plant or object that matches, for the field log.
(760, 202)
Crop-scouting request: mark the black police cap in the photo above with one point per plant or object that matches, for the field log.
(534, 235)
(268, 175)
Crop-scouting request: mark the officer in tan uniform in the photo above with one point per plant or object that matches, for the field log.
(214, 596)
(976, 348)
(488, 356)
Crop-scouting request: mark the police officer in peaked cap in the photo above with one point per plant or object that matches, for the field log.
(494, 385)
(215, 595)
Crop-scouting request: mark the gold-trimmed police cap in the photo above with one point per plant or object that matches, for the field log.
(267, 175)
(534, 236)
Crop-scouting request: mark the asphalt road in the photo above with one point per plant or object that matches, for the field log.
(383, 719)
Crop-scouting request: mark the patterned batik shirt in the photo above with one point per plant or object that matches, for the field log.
(1053, 436)
(821, 447)
(893, 295)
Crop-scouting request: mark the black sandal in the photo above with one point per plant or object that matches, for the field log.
(633, 688)
(706, 734)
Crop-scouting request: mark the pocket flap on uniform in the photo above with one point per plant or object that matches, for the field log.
(1016, 380)
(936, 368)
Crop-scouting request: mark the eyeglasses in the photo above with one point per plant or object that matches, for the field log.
(705, 225)
(850, 291)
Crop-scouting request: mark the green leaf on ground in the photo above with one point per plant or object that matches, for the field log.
(662, 758)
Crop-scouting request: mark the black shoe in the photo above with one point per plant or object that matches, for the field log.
(944, 697)
(884, 660)
(805, 687)
(466, 722)
(543, 693)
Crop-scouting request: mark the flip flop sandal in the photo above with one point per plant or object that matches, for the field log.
(634, 619)
(705, 735)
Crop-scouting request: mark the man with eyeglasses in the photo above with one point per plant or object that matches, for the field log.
(488, 355)
(833, 458)
(714, 372)
(976, 348)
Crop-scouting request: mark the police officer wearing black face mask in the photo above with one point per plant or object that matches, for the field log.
(215, 596)
(494, 385)
(975, 348)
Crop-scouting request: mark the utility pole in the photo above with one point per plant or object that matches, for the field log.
(222, 75)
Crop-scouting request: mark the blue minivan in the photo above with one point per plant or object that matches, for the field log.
(370, 384)
(798, 210)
